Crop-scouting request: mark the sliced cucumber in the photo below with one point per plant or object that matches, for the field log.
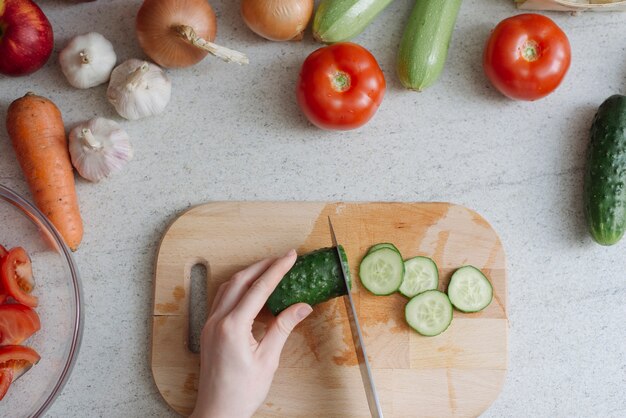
(381, 271)
(470, 290)
(383, 245)
(420, 274)
(429, 313)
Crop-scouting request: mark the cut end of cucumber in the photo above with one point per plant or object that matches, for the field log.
(470, 290)
(382, 271)
(420, 274)
(429, 313)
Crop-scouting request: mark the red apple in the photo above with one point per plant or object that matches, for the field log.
(25, 37)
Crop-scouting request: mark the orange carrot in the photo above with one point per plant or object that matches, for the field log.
(36, 130)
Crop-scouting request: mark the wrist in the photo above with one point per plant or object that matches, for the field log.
(213, 411)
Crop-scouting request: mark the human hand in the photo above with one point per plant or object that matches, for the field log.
(236, 370)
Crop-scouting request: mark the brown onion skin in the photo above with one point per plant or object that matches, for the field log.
(272, 20)
(155, 24)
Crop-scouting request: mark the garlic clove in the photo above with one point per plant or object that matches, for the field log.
(99, 148)
(87, 60)
(139, 89)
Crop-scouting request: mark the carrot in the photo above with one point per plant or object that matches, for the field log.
(36, 130)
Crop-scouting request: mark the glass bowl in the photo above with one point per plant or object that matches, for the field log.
(57, 286)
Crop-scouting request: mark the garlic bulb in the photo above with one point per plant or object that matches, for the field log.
(139, 89)
(99, 147)
(87, 60)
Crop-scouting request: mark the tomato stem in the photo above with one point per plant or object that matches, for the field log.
(341, 81)
(531, 51)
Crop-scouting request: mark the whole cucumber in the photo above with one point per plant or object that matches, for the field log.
(425, 42)
(605, 175)
(315, 278)
(341, 20)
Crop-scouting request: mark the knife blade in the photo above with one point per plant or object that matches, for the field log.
(357, 338)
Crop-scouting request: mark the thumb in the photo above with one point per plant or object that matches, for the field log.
(277, 334)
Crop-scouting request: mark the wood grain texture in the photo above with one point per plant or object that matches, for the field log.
(456, 374)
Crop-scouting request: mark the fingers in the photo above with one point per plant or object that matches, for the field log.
(276, 335)
(261, 289)
(231, 291)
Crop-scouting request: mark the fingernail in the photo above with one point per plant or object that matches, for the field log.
(290, 253)
(303, 312)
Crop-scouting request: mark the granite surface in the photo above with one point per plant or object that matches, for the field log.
(235, 133)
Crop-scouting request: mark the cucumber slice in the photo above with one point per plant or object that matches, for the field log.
(381, 271)
(429, 313)
(420, 274)
(383, 245)
(470, 290)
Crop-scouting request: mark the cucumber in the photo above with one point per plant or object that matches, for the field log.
(314, 278)
(429, 313)
(420, 274)
(381, 271)
(340, 20)
(383, 245)
(470, 290)
(605, 175)
(425, 42)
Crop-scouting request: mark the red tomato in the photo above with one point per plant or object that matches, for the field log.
(6, 377)
(340, 86)
(3, 294)
(527, 56)
(17, 277)
(17, 323)
(18, 358)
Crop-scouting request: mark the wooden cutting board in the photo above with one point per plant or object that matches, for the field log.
(456, 374)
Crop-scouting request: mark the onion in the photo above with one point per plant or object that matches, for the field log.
(179, 33)
(277, 20)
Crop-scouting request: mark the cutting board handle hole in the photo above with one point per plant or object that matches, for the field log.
(198, 304)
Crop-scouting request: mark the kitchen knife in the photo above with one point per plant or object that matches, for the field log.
(357, 338)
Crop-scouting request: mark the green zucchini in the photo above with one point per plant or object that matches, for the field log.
(314, 278)
(425, 42)
(341, 20)
(605, 174)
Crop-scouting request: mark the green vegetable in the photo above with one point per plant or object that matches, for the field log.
(420, 274)
(605, 176)
(429, 313)
(383, 245)
(470, 290)
(341, 20)
(381, 271)
(315, 278)
(425, 42)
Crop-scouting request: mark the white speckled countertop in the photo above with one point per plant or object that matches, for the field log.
(235, 133)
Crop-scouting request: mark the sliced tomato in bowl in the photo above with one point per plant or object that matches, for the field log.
(6, 378)
(17, 277)
(18, 358)
(3, 294)
(17, 323)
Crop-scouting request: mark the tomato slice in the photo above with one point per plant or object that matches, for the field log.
(18, 358)
(17, 277)
(17, 324)
(6, 377)
(3, 293)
